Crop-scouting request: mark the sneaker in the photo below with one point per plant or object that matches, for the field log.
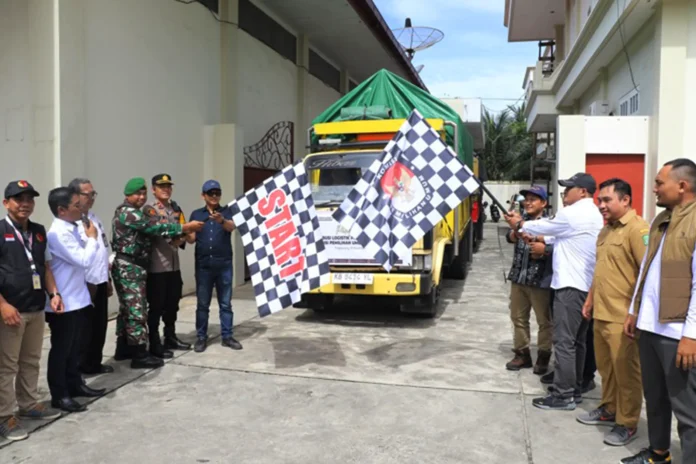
(589, 386)
(599, 416)
(230, 342)
(620, 436)
(39, 412)
(647, 456)
(12, 430)
(553, 402)
(577, 396)
(201, 345)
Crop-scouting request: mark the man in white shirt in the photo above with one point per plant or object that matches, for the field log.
(574, 232)
(664, 312)
(99, 284)
(71, 257)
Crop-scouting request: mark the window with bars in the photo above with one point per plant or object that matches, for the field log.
(630, 104)
(259, 25)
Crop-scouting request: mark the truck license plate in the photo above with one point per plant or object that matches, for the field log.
(352, 278)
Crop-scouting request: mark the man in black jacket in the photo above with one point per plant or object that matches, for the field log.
(26, 284)
(530, 277)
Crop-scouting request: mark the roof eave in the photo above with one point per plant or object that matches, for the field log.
(369, 13)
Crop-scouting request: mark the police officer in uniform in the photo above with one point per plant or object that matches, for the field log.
(164, 283)
(132, 242)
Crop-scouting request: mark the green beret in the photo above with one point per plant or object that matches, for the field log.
(133, 185)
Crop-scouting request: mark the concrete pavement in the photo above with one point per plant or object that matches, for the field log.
(361, 384)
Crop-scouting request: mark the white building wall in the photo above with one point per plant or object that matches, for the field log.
(26, 96)
(268, 88)
(320, 97)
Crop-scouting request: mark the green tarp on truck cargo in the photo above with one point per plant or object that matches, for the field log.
(389, 90)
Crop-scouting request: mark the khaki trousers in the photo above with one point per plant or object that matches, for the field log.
(618, 362)
(20, 353)
(522, 299)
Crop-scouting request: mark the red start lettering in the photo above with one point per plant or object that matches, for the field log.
(282, 233)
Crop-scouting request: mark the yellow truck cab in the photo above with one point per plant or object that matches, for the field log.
(340, 153)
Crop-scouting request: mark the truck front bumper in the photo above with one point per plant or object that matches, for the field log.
(384, 284)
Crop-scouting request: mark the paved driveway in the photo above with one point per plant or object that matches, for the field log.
(362, 384)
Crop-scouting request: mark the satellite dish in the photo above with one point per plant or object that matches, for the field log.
(415, 39)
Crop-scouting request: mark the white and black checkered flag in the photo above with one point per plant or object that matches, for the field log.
(404, 194)
(282, 241)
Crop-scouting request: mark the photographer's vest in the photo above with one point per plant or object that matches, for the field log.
(679, 229)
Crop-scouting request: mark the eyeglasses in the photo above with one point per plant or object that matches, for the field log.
(214, 193)
(90, 195)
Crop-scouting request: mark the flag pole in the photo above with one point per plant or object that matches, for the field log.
(500, 206)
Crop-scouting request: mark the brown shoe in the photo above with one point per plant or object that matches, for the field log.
(542, 364)
(522, 360)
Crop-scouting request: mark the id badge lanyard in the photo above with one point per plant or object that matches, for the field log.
(36, 279)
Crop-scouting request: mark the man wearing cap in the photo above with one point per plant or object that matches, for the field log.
(132, 242)
(25, 281)
(530, 277)
(213, 265)
(164, 283)
(574, 231)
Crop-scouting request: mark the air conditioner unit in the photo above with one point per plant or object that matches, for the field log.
(599, 108)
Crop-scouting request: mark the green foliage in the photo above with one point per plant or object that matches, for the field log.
(508, 151)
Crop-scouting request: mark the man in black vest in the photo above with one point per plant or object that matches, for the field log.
(25, 281)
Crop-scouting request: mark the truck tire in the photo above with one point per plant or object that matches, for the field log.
(459, 267)
(316, 303)
(424, 306)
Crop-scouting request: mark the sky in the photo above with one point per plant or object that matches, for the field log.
(474, 59)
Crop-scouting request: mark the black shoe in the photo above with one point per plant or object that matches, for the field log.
(547, 379)
(172, 342)
(157, 350)
(68, 404)
(87, 392)
(102, 369)
(201, 345)
(143, 360)
(123, 350)
(648, 456)
(588, 386)
(552, 402)
(230, 342)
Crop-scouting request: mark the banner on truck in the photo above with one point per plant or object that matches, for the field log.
(282, 239)
(402, 196)
(344, 250)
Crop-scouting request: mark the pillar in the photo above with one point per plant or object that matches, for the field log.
(303, 118)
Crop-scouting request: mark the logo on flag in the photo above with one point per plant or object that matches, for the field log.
(402, 196)
(282, 240)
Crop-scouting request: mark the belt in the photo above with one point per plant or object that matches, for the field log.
(133, 260)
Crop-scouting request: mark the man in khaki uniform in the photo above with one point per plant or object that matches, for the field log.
(164, 283)
(620, 248)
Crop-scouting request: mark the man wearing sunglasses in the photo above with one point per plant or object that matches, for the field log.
(213, 265)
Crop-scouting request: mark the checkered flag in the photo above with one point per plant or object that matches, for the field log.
(282, 241)
(404, 194)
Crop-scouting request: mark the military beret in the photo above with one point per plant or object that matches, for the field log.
(133, 185)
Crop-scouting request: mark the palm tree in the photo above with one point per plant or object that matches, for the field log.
(508, 150)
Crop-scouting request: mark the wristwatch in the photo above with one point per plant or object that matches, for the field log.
(51, 295)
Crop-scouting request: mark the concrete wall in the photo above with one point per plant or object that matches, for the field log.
(320, 97)
(26, 96)
(268, 88)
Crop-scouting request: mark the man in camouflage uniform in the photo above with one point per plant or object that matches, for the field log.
(132, 242)
(164, 283)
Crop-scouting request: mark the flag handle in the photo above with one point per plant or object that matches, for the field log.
(500, 206)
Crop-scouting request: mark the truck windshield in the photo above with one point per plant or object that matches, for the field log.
(333, 176)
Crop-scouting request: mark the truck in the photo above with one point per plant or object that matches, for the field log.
(343, 142)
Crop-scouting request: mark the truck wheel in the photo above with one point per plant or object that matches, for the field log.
(459, 267)
(318, 303)
(424, 306)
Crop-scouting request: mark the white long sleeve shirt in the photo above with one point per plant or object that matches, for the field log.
(574, 232)
(649, 314)
(71, 258)
(98, 272)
